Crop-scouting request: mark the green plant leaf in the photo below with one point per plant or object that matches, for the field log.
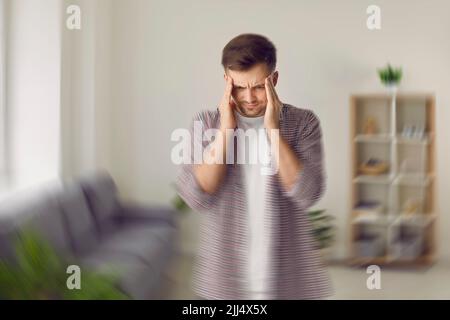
(390, 75)
(41, 274)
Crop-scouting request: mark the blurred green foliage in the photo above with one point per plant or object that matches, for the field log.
(39, 273)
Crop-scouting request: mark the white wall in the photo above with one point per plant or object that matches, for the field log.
(166, 65)
(138, 69)
(86, 93)
(33, 90)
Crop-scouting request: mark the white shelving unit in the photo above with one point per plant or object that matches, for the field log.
(399, 220)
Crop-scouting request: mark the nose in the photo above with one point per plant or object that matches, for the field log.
(250, 96)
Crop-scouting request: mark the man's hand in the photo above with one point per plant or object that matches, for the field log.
(272, 115)
(289, 165)
(210, 174)
(227, 107)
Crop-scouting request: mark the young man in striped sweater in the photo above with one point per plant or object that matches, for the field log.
(256, 241)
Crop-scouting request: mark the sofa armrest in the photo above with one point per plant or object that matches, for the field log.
(132, 212)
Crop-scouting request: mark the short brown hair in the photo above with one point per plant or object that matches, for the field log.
(246, 50)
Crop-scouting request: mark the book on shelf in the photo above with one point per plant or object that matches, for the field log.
(368, 209)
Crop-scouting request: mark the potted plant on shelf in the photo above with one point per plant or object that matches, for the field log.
(390, 77)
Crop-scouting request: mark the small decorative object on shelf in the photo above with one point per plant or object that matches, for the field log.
(412, 206)
(368, 210)
(369, 207)
(413, 132)
(373, 166)
(370, 127)
(390, 77)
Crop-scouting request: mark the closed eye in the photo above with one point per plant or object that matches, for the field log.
(257, 87)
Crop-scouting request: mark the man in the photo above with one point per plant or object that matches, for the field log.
(256, 241)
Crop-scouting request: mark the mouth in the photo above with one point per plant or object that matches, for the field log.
(251, 106)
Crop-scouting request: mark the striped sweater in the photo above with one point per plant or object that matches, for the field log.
(297, 269)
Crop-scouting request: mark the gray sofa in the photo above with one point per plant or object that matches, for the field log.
(85, 220)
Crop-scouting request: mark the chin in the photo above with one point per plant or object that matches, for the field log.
(253, 112)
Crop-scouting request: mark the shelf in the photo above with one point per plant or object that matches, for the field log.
(373, 138)
(395, 218)
(378, 219)
(425, 259)
(407, 179)
(421, 219)
(387, 138)
(408, 184)
(366, 261)
(380, 179)
(399, 139)
(421, 260)
(412, 179)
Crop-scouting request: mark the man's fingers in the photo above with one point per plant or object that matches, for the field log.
(272, 98)
(228, 89)
(227, 102)
(272, 90)
(268, 90)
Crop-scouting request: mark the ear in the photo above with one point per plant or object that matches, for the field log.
(275, 78)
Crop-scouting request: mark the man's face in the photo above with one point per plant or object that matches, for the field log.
(249, 92)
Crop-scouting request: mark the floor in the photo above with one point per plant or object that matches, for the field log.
(348, 282)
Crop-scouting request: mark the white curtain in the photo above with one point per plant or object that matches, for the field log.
(33, 79)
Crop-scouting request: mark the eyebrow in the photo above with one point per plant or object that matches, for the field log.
(256, 85)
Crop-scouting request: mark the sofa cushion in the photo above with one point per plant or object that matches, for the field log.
(101, 194)
(47, 219)
(151, 242)
(145, 214)
(38, 211)
(136, 278)
(15, 209)
(8, 234)
(80, 222)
